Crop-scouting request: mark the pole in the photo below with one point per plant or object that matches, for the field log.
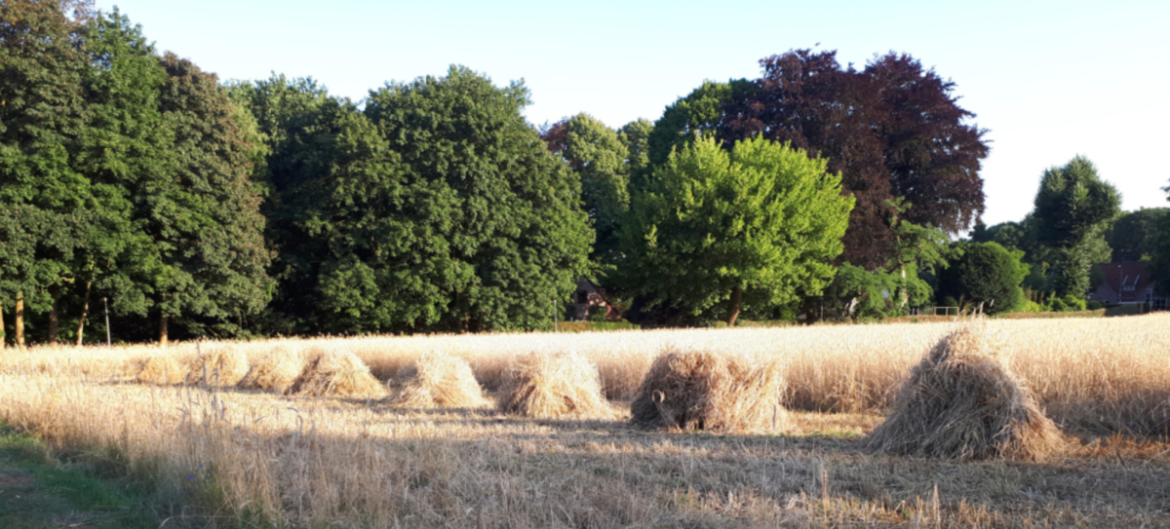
(556, 324)
(109, 343)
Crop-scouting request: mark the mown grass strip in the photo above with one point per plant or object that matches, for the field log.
(37, 491)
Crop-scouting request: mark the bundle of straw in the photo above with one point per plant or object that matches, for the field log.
(702, 390)
(961, 402)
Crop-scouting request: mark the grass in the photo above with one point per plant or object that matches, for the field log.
(316, 461)
(37, 491)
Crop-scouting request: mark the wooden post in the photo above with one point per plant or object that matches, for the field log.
(162, 330)
(109, 343)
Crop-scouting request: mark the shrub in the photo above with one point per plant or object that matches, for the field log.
(988, 274)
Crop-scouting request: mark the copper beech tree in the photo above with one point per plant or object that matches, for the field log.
(893, 129)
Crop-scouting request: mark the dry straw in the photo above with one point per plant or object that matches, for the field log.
(544, 384)
(223, 367)
(961, 402)
(162, 369)
(336, 373)
(438, 380)
(703, 390)
(276, 372)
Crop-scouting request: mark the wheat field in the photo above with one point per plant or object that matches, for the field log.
(231, 457)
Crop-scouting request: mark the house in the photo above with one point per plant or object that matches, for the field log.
(586, 297)
(1127, 283)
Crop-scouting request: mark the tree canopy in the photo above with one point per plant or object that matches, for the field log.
(894, 129)
(1134, 235)
(133, 167)
(717, 230)
(601, 158)
(434, 207)
(1074, 207)
(986, 274)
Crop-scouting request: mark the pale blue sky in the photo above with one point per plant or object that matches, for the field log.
(1049, 79)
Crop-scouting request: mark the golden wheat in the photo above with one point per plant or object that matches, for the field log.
(318, 461)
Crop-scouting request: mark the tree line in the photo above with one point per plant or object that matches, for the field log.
(194, 207)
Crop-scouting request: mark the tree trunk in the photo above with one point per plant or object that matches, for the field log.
(54, 322)
(736, 298)
(84, 312)
(19, 320)
(905, 292)
(162, 330)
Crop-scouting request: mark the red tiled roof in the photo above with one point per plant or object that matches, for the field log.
(1135, 275)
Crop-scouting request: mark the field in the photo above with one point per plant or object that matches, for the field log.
(228, 457)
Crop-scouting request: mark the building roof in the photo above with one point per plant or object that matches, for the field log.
(1128, 281)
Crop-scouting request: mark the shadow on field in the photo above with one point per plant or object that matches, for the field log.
(613, 474)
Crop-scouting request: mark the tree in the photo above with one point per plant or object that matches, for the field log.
(1008, 234)
(1133, 236)
(436, 207)
(892, 130)
(302, 127)
(208, 257)
(699, 113)
(600, 157)
(42, 112)
(125, 150)
(636, 136)
(517, 226)
(915, 248)
(719, 230)
(858, 294)
(986, 274)
(1073, 208)
(1160, 264)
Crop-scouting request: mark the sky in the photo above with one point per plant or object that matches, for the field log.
(1048, 80)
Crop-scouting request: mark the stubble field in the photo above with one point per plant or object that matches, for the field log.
(225, 456)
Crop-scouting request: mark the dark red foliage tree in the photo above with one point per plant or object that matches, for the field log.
(892, 130)
(557, 136)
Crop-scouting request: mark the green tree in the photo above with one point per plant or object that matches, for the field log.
(1133, 236)
(699, 113)
(636, 136)
(986, 274)
(1160, 264)
(1073, 209)
(600, 158)
(434, 207)
(516, 225)
(42, 113)
(302, 126)
(758, 225)
(209, 258)
(125, 149)
(915, 248)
